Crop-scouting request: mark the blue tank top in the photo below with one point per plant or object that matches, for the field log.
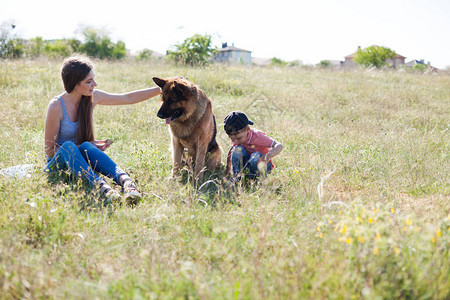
(67, 128)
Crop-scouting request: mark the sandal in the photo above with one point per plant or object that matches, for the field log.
(108, 192)
(130, 190)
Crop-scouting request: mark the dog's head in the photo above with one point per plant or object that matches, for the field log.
(175, 96)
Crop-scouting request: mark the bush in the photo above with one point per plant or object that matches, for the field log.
(325, 64)
(295, 63)
(57, 48)
(194, 51)
(119, 51)
(35, 47)
(145, 54)
(374, 56)
(420, 68)
(277, 62)
(98, 44)
(74, 44)
(16, 48)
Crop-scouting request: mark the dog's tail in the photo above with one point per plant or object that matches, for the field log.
(213, 145)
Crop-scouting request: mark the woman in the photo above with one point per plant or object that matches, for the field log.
(69, 129)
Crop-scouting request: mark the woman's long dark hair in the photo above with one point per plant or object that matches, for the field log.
(74, 70)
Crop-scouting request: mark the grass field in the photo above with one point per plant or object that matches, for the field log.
(357, 206)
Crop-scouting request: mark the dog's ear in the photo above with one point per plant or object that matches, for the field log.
(160, 82)
(181, 89)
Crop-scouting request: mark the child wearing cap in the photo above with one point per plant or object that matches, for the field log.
(252, 150)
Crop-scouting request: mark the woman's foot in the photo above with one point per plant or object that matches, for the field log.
(106, 191)
(131, 193)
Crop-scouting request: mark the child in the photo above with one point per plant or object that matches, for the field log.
(251, 151)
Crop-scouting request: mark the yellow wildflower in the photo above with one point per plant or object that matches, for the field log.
(438, 232)
(397, 250)
(433, 239)
(344, 229)
(377, 236)
(392, 210)
(348, 240)
(321, 235)
(376, 251)
(370, 220)
(318, 228)
(408, 222)
(361, 239)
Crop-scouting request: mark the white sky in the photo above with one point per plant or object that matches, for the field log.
(306, 30)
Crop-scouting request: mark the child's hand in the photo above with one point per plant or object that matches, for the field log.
(263, 160)
(103, 144)
(276, 149)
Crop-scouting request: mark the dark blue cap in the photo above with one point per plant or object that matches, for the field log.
(236, 121)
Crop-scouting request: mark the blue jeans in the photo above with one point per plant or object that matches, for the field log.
(242, 161)
(83, 161)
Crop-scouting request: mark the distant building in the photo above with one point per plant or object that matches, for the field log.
(396, 61)
(415, 62)
(420, 64)
(231, 54)
(349, 62)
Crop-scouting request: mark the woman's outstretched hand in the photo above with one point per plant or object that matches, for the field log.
(103, 144)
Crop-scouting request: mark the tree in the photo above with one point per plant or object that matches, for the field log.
(98, 44)
(92, 40)
(194, 51)
(74, 44)
(35, 47)
(6, 39)
(119, 51)
(374, 56)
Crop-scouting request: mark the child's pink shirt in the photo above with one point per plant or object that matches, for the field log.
(257, 141)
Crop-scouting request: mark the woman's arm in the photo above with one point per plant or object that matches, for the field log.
(105, 98)
(52, 123)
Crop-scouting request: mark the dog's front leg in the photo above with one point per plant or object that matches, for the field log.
(177, 156)
(200, 161)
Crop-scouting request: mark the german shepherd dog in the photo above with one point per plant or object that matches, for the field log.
(188, 111)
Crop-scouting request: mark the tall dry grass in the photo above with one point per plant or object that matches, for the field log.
(377, 227)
